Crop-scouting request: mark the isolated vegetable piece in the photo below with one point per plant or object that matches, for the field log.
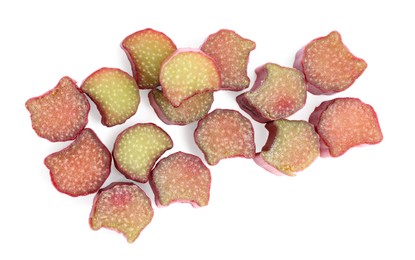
(181, 177)
(189, 111)
(188, 72)
(278, 92)
(291, 147)
(114, 92)
(137, 148)
(82, 167)
(61, 113)
(122, 207)
(343, 123)
(231, 53)
(146, 50)
(328, 65)
(225, 133)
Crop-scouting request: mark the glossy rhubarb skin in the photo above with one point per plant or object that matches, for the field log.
(225, 133)
(137, 148)
(61, 113)
(343, 123)
(82, 167)
(191, 110)
(188, 72)
(231, 53)
(181, 177)
(115, 94)
(146, 50)
(278, 92)
(122, 207)
(328, 65)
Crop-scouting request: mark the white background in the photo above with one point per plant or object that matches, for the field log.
(358, 206)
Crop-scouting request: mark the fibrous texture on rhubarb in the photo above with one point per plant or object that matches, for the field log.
(61, 113)
(278, 92)
(123, 207)
(114, 92)
(181, 177)
(146, 50)
(225, 133)
(328, 65)
(82, 167)
(343, 123)
(189, 111)
(291, 147)
(137, 148)
(231, 53)
(188, 72)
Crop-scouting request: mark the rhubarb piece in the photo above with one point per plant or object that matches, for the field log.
(61, 113)
(189, 111)
(231, 53)
(146, 50)
(291, 147)
(343, 123)
(122, 207)
(328, 65)
(225, 133)
(278, 92)
(115, 94)
(137, 148)
(186, 73)
(82, 167)
(181, 177)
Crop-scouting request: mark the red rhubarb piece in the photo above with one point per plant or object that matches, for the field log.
(82, 167)
(231, 53)
(61, 113)
(278, 92)
(225, 133)
(343, 123)
(181, 177)
(146, 50)
(122, 207)
(328, 65)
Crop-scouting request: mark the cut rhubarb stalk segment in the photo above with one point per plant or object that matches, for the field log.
(328, 65)
(115, 94)
(291, 147)
(146, 50)
(186, 73)
(122, 207)
(343, 123)
(278, 92)
(137, 148)
(189, 111)
(82, 167)
(223, 134)
(181, 177)
(61, 113)
(231, 53)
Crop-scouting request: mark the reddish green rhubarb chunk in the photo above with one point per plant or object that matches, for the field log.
(146, 50)
(225, 133)
(82, 167)
(231, 53)
(122, 207)
(328, 65)
(61, 113)
(188, 72)
(114, 92)
(343, 123)
(278, 92)
(137, 148)
(291, 147)
(189, 111)
(181, 177)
